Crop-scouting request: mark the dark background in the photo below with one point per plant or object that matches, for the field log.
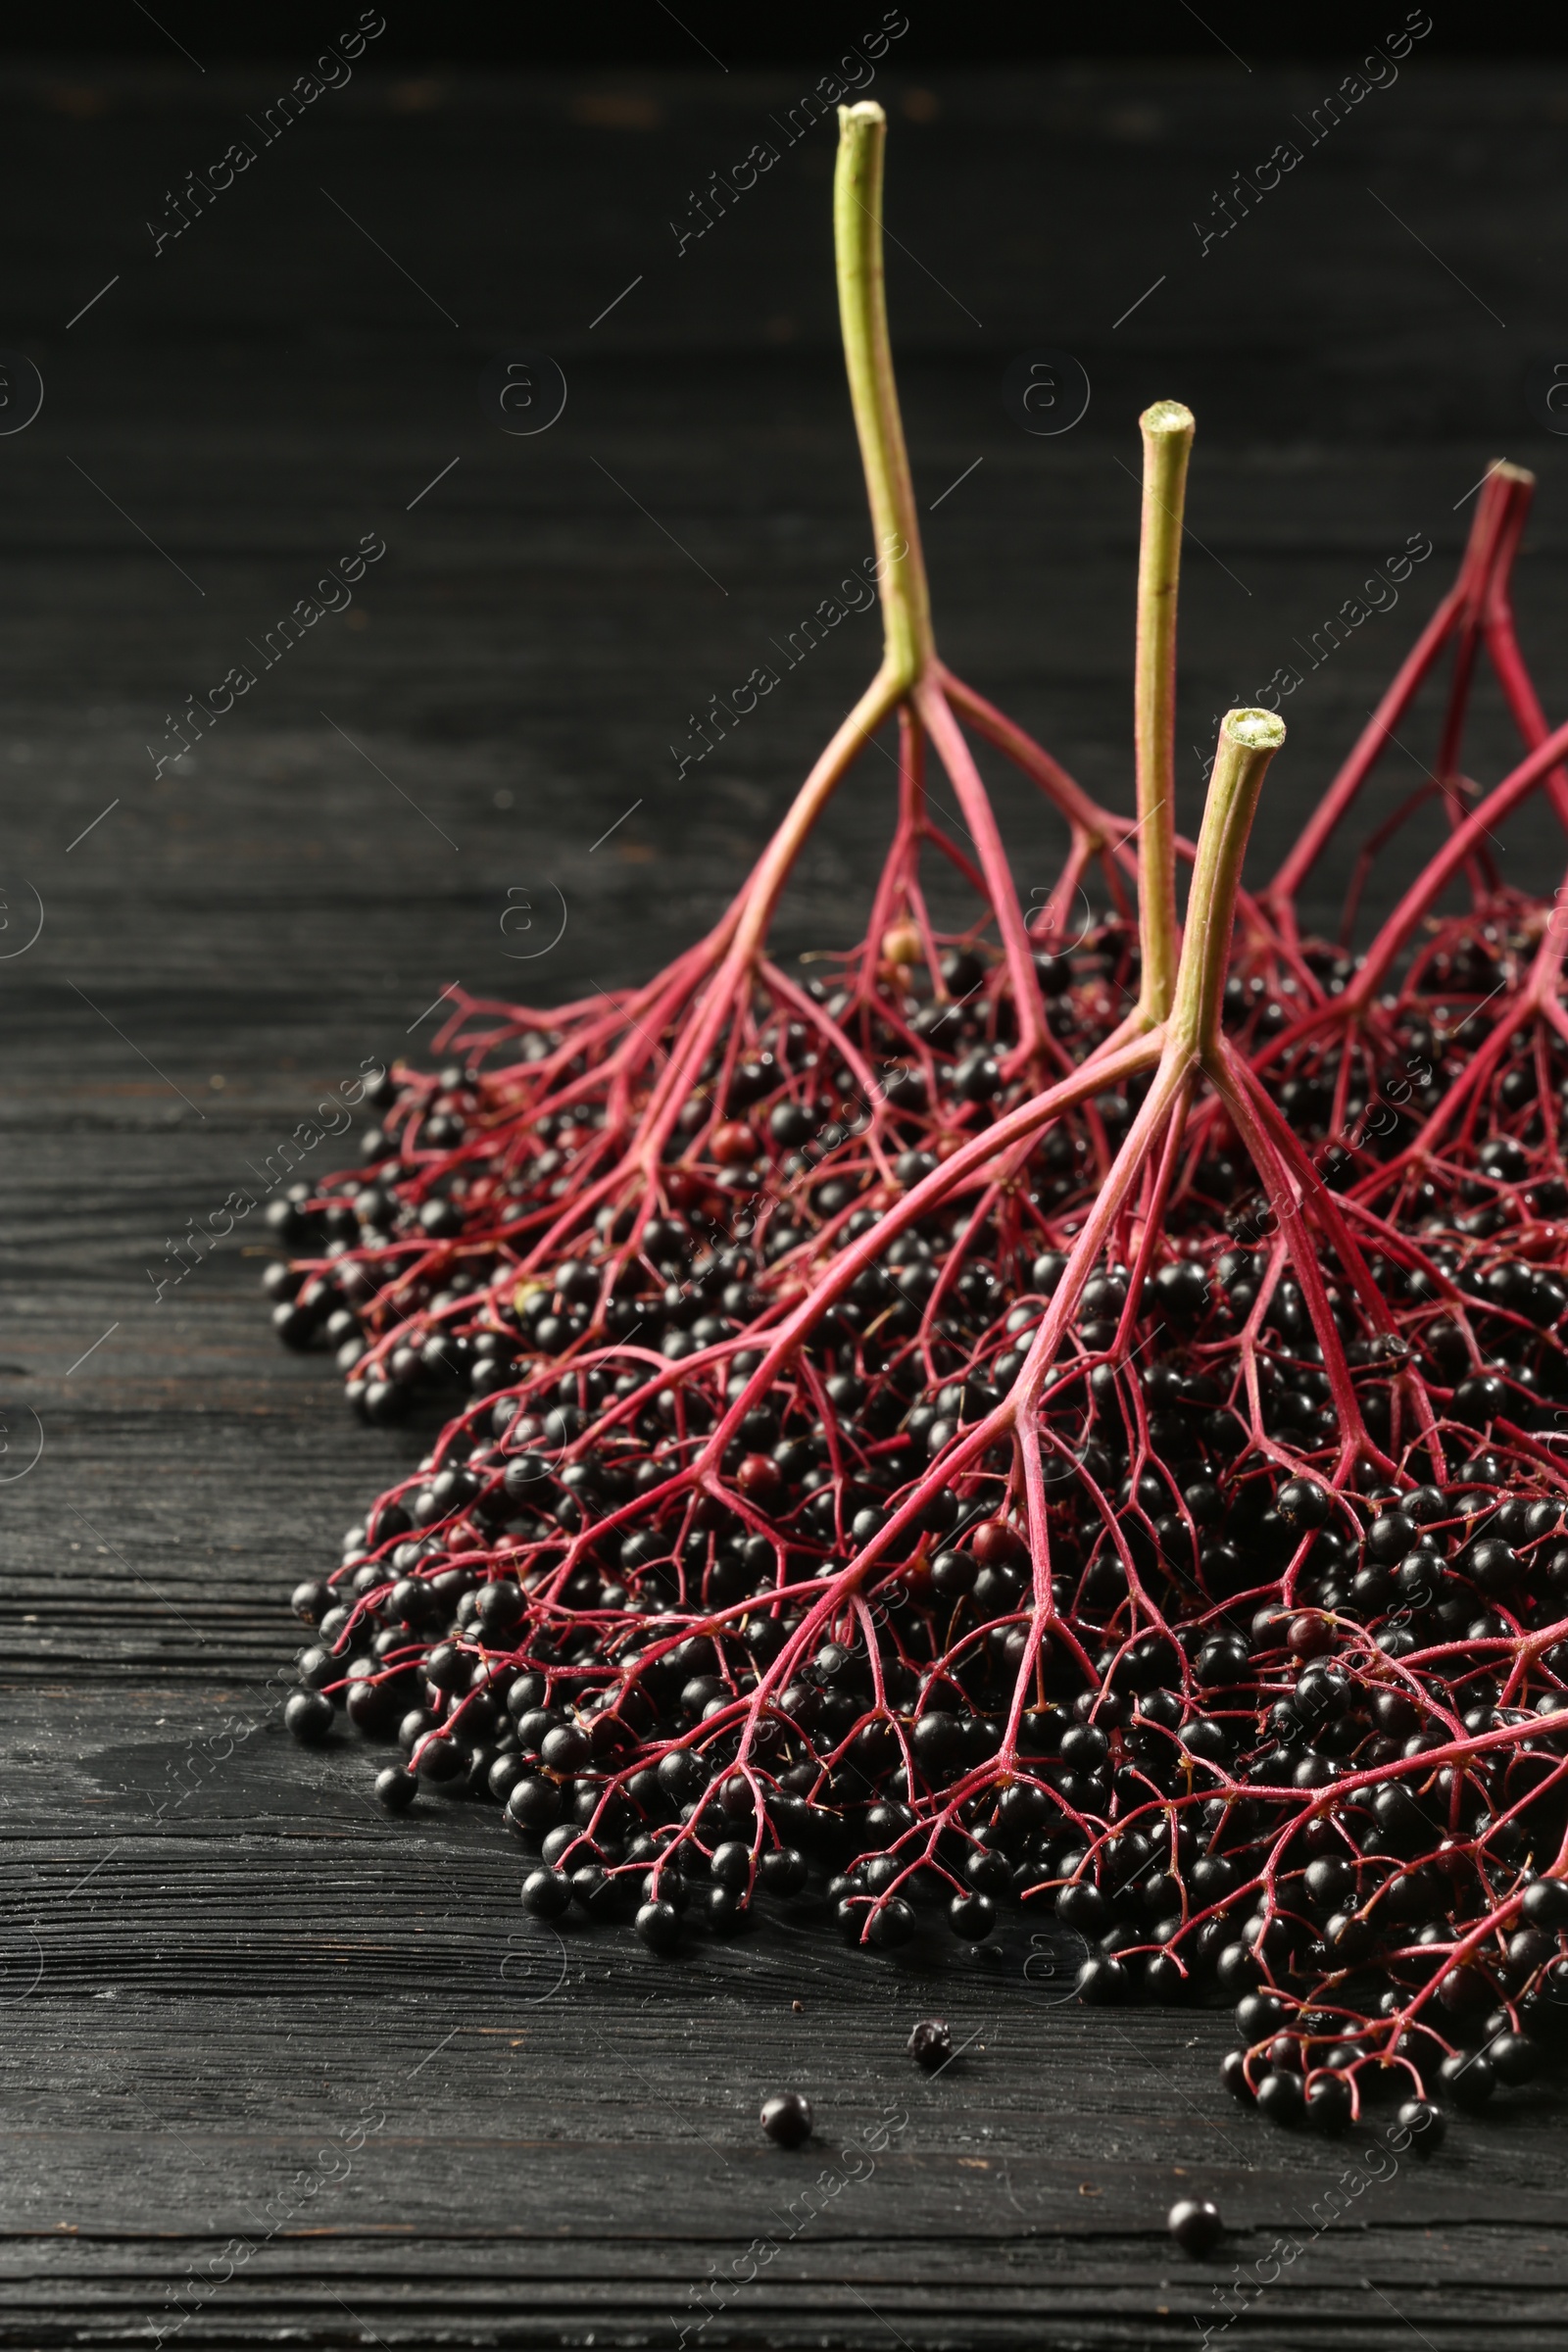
(646, 33)
(215, 1953)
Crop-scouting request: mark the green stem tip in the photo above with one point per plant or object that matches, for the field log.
(1167, 429)
(1247, 742)
(868, 358)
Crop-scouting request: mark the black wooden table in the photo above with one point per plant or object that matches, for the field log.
(276, 2070)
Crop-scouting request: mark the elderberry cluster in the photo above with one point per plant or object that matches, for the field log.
(556, 1614)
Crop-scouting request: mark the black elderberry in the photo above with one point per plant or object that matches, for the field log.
(658, 1923)
(1327, 2103)
(396, 1788)
(1515, 2058)
(1544, 1904)
(1222, 1662)
(892, 1923)
(930, 2044)
(317, 1666)
(1259, 2014)
(1330, 1882)
(731, 1862)
(725, 1910)
(499, 1609)
(546, 1894)
(566, 1748)
(441, 1762)
(1081, 1905)
(1469, 2078)
(1211, 1878)
(1232, 2074)
(309, 1715)
(1102, 1982)
(1280, 2097)
(971, 1916)
(1195, 2224)
(594, 1888)
(1425, 2126)
(1083, 1746)
(786, 2118)
(1492, 1566)
(988, 1873)
(1391, 1537)
(533, 1805)
(783, 1870)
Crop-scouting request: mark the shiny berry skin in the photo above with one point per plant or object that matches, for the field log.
(1545, 1903)
(734, 1144)
(971, 1916)
(394, 1788)
(1195, 2224)
(309, 1716)
(441, 1762)
(1469, 2079)
(787, 2118)
(731, 1862)
(782, 1872)
(893, 1924)
(1101, 1982)
(1280, 2097)
(546, 1894)
(930, 2044)
(1327, 2103)
(658, 1926)
(1515, 2058)
(726, 1911)
(565, 1748)
(533, 1804)
(1233, 2074)
(1303, 1505)
(1425, 2125)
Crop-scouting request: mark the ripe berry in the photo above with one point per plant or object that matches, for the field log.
(1424, 2123)
(1195, 2226)
(1102, 1982)
(394, 1788)
(1545, 1903)
(1468, 2078)
(1303, 1505)
(546, 1894)
(787, 2118)
(1327, 2103)
(1233, 2074)
(971, 1916)
(892, 1923)
(309, 1716)
(441, 1762)
(930, 2044)
(1514, 2057)
(783, 1871)
(1280, 2097)
(658, 1926)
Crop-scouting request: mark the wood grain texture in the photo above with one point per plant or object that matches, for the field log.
(274, 2071)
